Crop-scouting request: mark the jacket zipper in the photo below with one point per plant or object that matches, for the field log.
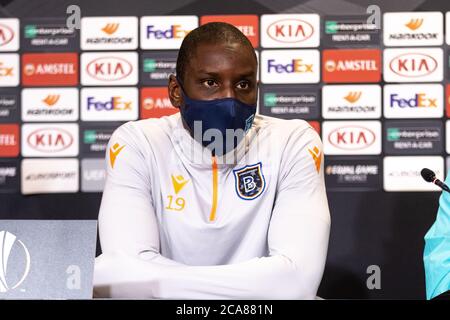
(212, 215)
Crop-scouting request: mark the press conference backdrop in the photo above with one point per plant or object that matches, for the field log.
(378, 97)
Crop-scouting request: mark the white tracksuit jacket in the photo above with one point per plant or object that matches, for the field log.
(176, 223)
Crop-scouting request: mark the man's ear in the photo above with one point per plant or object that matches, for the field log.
(174, 92)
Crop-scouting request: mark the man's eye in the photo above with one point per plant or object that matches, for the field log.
(243, 85)
(210, 83)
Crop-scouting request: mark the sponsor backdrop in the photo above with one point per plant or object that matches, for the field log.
(378, 97)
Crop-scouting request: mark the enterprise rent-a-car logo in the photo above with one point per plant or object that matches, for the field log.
(349, 30)
(157, 66)
(48, 34)
(290, 101)
(425, 137)
(9, 105)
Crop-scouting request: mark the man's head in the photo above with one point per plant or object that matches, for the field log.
(215, 87)
(215, 61)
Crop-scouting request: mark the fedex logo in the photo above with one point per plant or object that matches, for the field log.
(295, 66)
(9, 70)
(98, 104)
(165, 32)
(5, 71)
(419, 100)
(174, 32)
(413, 101)
(115, 103)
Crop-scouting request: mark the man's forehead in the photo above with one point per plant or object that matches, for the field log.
(209, 57)
(222, 47)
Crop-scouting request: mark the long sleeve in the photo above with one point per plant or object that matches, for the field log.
(437, 250)
(132, 267)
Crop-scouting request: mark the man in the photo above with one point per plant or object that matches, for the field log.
(437, 250)
(189, 214)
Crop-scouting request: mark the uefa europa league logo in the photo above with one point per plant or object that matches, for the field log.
(8, 243)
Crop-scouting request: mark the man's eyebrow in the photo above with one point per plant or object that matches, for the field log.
(248, 74)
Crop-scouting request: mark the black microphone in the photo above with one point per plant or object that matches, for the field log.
(430, 176)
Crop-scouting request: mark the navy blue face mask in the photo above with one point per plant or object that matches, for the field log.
(230, 118)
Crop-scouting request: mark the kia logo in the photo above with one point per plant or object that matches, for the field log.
(6, 34)
(413, 65)
(351, 137)
(290, 30)
(109, 68)
(9, 244)
(50, 140)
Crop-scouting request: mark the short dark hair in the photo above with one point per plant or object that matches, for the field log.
(211, 33)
